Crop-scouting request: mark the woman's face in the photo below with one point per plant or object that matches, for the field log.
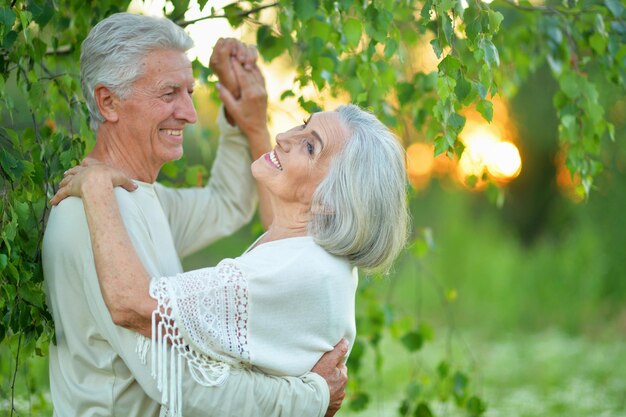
(301, 158)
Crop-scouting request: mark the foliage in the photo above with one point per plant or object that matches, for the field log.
(365, 50)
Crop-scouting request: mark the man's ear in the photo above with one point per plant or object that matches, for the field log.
(107, 103)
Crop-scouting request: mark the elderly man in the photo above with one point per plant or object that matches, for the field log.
(138, 82)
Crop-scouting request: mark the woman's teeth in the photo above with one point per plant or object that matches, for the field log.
(275, 160)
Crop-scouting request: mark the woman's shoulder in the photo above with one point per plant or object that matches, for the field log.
(301, 253)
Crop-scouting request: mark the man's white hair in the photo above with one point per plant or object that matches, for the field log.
(360, 208)
(112, 54)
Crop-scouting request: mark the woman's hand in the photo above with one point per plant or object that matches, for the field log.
(223, 66)
(90, 173)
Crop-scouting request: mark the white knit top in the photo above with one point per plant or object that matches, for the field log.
(278, 308)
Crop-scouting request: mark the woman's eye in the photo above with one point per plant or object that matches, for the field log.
(310, 148)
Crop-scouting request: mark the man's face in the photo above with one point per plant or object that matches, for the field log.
(158, 107)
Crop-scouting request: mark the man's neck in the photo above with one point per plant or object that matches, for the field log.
(110, 149)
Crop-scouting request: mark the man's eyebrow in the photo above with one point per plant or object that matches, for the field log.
(175, 86)
(167, 86)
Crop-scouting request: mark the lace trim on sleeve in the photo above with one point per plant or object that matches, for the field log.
(201, 319)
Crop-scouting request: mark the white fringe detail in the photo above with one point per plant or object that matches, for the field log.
(201, 317)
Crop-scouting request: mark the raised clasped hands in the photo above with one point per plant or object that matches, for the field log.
(241, 85)
(90, 173)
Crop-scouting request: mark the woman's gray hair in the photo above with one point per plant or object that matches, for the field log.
(360, 209)
(113, 53)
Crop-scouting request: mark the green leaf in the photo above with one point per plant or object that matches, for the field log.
(475, 406)
(287, 93)
(450, 65)
(320, 29)
(425, 12)
(570, 124)
(9, 39)
(233, 14)
(460, 382)
(359, 401)
(3, 261)
(269, 45)
(463, 89)
(436, 44)
(202, 4)
(196, 175)
(445, 87)
(471, 181)
(352, 30)
(485, 107)
(472, 29)
(492, 58)
(405, 92)
(472, 21)
(170, 169)
(413, 389)
(305, 9)
(569, 83)
(448, 31)
(412, 341)
(611, 130)
(32, 295)
(441, 145)
(180, 8)
(456, 121)
(615, 6)
(495, 18)
(308, 105)
(391, 46)
(14, 168)
(42, 13)
(598, 42)
(423, 410)
(7, 17)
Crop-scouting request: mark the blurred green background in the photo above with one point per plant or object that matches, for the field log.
(529, 296)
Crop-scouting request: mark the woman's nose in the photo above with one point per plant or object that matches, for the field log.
(283, 142)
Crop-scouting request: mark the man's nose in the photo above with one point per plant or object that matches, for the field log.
(185, 109)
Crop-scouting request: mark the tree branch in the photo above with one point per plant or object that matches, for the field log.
(68, 49)
(17, 361)
(61, 50)
(246, 13)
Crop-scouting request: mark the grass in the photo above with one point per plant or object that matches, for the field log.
(546, 374)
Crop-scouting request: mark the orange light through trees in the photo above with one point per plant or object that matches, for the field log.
(489, 154)
(485, 152)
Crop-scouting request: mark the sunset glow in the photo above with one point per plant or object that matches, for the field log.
(486, 152)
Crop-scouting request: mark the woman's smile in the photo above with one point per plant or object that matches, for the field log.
(273, 160)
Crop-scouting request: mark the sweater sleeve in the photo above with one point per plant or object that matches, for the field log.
(200, 216)
(201, 319)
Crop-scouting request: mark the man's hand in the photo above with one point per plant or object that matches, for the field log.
(221, 64)
(249, 111)
(334, 371)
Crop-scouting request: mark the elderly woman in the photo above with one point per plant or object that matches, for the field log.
(337, 189)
